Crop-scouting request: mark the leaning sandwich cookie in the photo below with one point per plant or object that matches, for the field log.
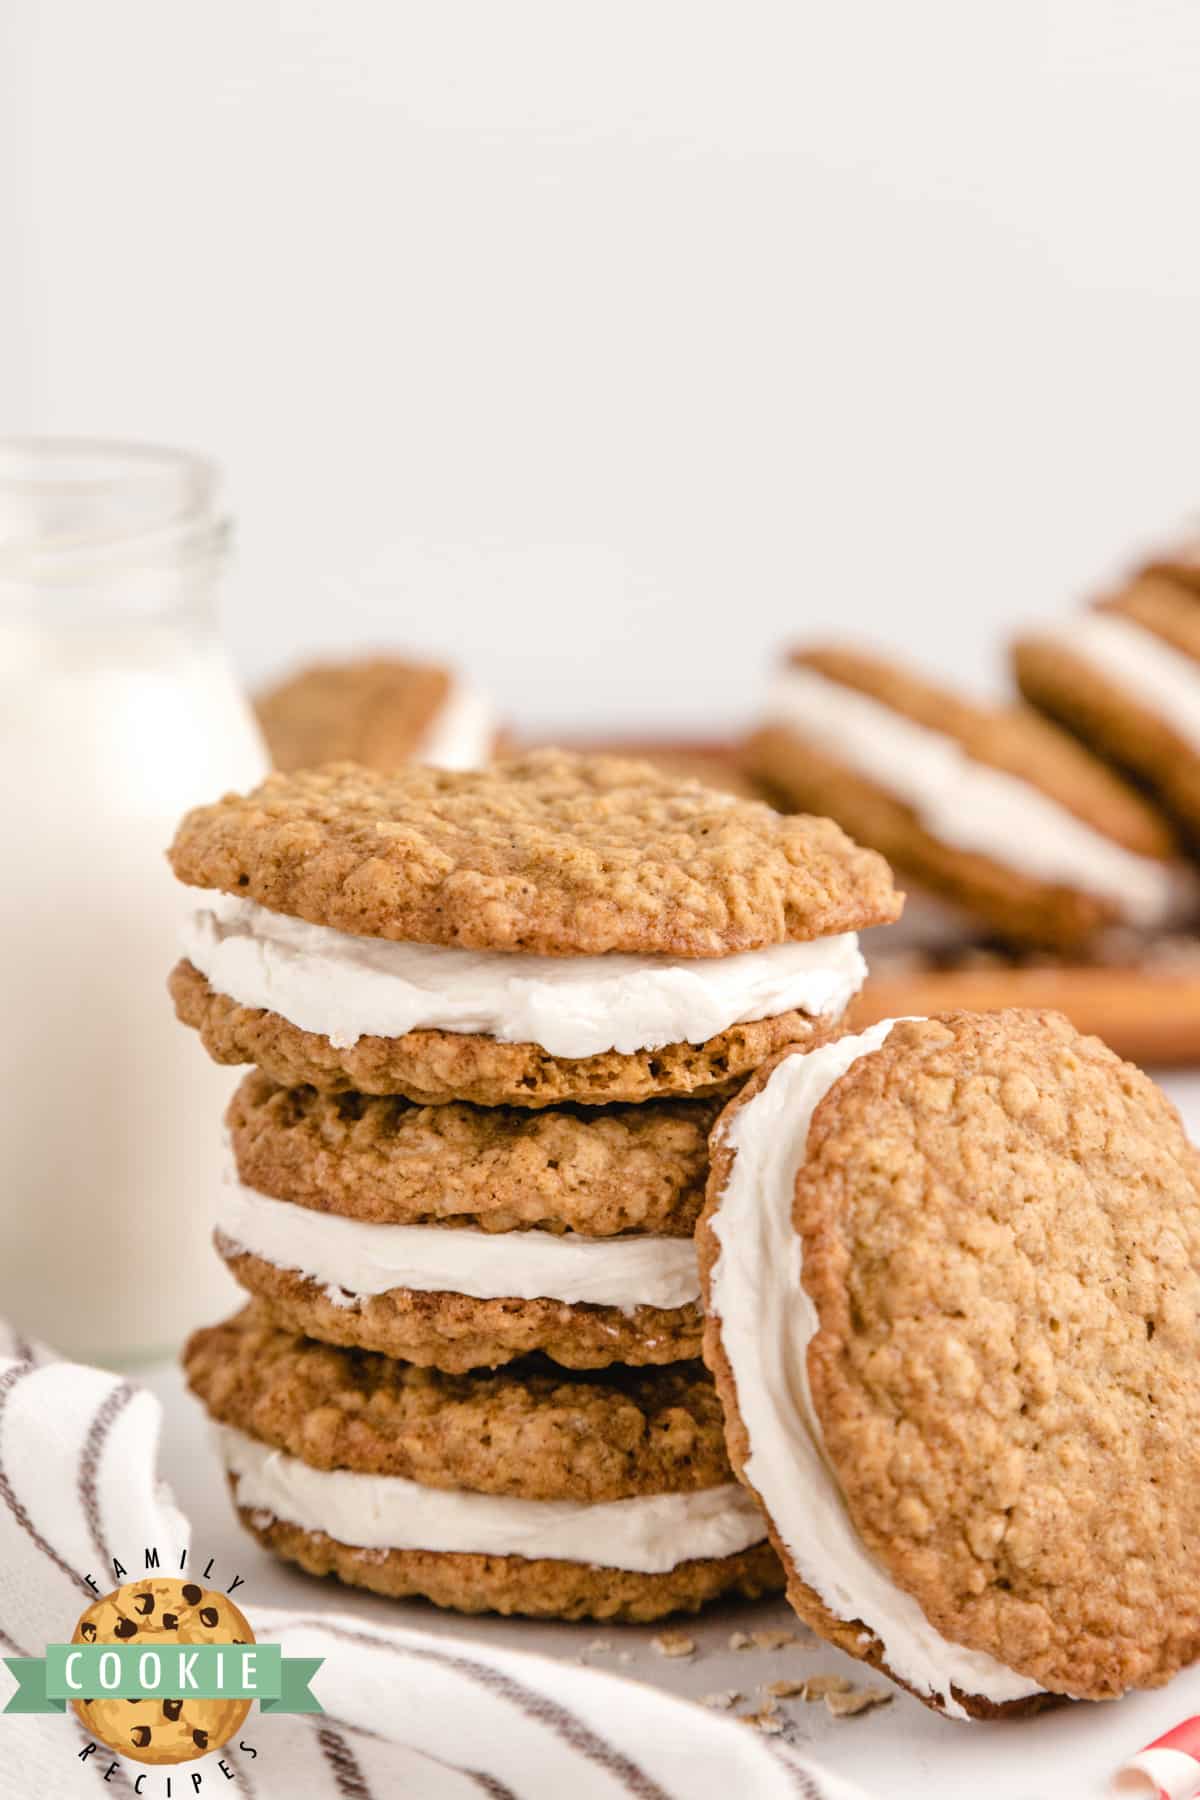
(554, 929)
(988, 807)
(528, 1491)
(1125, 678)
(952, 1272)
(462, 1236)
(1178, 563)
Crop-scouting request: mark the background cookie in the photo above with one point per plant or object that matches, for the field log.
(1125, 678)
(377, 711)
(159, 1612)
(1052, 860)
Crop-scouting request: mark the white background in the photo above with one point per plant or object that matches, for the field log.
(604, 346)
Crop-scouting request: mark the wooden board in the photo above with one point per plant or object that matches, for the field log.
(1147, 1016)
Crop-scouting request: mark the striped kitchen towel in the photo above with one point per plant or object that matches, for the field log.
(404, 1713)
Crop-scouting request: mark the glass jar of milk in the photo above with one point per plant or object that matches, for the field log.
(118, 710)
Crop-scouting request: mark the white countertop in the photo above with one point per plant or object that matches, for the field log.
(901, 1751)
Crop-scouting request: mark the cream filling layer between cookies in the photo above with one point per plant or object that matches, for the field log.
(649, 1534)
(345, 987)
(767, 1322)
(354, 1258)
(1153, 672)
(461, 733)
(969, 805)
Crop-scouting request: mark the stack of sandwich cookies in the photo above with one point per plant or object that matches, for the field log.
(1125, 678)
(462, 1236)
(494, 1016)
(379, 711)
(989, 808)
(952, 1269)
(533, 1491)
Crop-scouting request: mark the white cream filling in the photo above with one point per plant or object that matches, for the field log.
(966, 804)
(345, 987)
(353, 1257)
(1162, 678)
(650, 1534)
(461, 733)
(767, 1323)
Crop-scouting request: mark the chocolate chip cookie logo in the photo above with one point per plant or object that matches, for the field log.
(162, 1620)
(163, 1670)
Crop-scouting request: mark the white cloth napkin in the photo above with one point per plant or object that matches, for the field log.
(404, 1713)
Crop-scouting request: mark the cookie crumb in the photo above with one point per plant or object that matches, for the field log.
(768, 1718)
(740, 1640)
(773, 1640)
(723, 1699)
(598, 1646)
(674, 1643)
(788, 1690)
(819, 1687)
(844, 1704)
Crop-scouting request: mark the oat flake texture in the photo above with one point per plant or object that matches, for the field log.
(551, 853)
(1001, 1230)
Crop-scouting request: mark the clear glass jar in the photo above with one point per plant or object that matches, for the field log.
(118, 710)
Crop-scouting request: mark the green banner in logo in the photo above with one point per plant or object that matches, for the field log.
(177, 1671)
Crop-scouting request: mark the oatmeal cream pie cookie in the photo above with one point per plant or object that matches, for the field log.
(989, 807)
(531, 1490)
(379, 711)
(464, 1236)
(1125, 678)
(556, 928)
(952, 1268)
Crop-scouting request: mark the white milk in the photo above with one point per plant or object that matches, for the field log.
(117, 712)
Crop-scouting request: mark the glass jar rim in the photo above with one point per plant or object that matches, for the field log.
(72, 508)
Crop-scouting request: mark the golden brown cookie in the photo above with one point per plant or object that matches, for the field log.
(536, 1431)
(996, 1311)
(441, 1329)
(377, 711)
(391, 1162)
(162, 1613)
(627, 1466)
(1131, 695)
(537, 1587)
(547, 853)
(432, 1067)
(1062, 902)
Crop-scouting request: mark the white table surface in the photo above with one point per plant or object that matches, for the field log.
(901, 1751)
